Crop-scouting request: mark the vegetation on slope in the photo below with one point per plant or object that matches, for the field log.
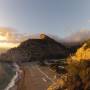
(83, 53)
(36, 49)
(78, 72)
(88, 44)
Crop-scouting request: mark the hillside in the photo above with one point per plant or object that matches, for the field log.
(77, 76)
(36, 49)
(83, 53)
(3, 50)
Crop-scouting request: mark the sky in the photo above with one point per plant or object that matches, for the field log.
(57, 17)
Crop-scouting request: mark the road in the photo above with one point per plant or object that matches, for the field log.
(35, 77)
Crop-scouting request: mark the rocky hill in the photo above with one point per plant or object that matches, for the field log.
(36, 49)
(77, 76)
(83, 53)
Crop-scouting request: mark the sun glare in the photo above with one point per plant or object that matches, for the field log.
(8, 45)
(5, 37)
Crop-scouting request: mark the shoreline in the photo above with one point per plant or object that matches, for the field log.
(15, 78)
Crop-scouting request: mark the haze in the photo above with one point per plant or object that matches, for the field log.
(58, 17)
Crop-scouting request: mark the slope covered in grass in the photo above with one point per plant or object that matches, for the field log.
(77, 76)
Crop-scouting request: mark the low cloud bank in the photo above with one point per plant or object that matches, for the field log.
(9, 38)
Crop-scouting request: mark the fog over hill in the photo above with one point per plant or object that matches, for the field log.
(80, 36)
(10, 38)
(73, 39)
(37, 49)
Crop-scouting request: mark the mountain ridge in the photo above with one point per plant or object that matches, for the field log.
(37, 49)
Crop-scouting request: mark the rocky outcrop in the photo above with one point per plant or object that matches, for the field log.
(83, 53)
(37, 49)
(76, 78)
(78, 71)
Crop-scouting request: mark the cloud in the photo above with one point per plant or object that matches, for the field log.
(88, 20)
(10, 37)
(84, 30)
(6, 34)
(80, 36)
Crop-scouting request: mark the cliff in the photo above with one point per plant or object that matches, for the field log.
(78, 71)
(36, 49)
(83, 53)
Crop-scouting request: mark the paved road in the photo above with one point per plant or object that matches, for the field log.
(35, 77)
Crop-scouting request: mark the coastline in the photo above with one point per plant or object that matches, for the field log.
(16, 77)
